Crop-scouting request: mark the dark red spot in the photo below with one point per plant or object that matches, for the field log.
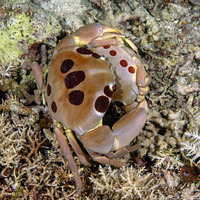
(113, 53)
(106, 46)
(83, 50)
(74, 78)
(66, 65)
(48, 89)
(107, 91)
(102, 104)
(123, 63)
(54, 106)
(95, 55)
(131, 69)
(76, 97)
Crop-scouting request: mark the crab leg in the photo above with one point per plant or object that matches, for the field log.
(121, 152)
(60, 137)
(76, 147)
(68, 154)
(38, 76)
(99, 43)
(104, 160)
(130, 43)
(142, 80)
(143, 91)
(108, 39)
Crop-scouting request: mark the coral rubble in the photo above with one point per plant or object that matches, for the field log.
(167, 34)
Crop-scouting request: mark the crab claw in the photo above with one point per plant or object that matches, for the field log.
(91, 31)
(104, 140)
(85, 35)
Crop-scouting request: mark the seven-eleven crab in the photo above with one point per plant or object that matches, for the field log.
(89, 69)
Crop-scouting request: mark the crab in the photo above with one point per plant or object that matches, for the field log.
(90, 68)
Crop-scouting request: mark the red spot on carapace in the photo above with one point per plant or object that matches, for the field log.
(102, 104)
(107, 91)
(74, 78)
(83, 50)
(106, 46)
(54, 106)
(123, 63)
(48, 89)
(131, 69)
(113, 53)
(66, 65)
(76, 97)
(95, 55)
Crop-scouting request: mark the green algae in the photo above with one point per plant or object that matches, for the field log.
(19, 27)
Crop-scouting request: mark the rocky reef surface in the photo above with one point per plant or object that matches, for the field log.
(167, 35)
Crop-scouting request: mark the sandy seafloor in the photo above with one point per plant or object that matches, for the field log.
(167, 35)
